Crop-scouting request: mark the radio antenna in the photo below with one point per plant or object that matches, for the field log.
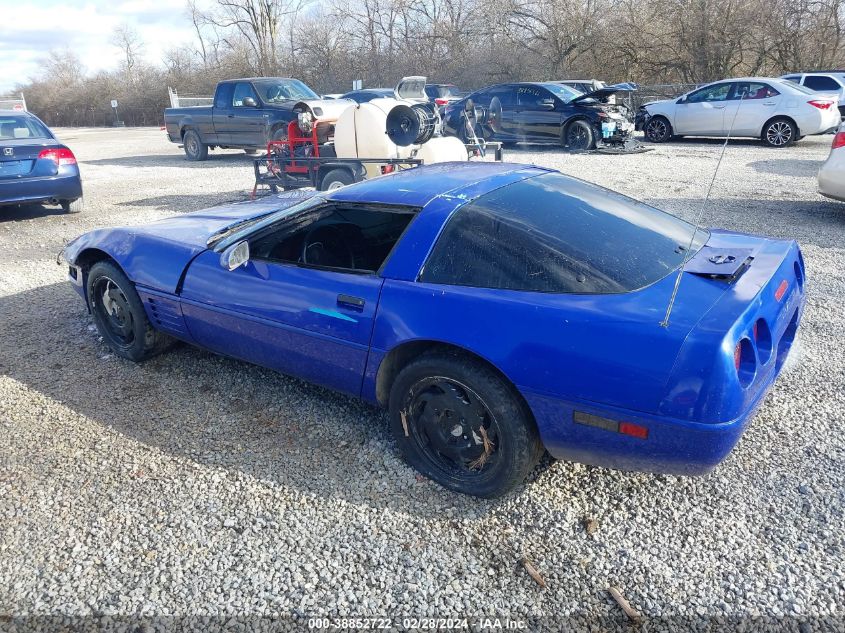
(688, 253)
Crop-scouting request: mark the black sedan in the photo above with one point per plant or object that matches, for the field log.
(35, 166)
(368, 94)
(539, 113)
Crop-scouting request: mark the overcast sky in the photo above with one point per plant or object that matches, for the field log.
(30, 28)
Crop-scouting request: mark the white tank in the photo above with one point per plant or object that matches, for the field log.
(360, 132)
(442, 149)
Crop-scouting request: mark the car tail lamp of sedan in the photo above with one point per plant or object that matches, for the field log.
(821, 105)
(60, 156)
(441, 102)
(838, 140)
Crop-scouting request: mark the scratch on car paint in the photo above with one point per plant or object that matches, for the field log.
(333, 313)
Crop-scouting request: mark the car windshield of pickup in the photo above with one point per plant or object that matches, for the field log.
(276, 90)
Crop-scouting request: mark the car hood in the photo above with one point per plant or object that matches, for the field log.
(155, 254)
(604, 93)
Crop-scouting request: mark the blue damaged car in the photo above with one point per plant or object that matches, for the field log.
(496, 310)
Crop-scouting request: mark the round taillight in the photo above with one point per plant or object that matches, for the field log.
(763, 340)
(745, 361)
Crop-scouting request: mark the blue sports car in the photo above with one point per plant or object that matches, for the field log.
(35, 166)
(495, 310)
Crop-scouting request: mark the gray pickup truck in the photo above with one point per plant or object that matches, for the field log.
(246, 114)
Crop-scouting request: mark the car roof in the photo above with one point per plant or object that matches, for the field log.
(419, 186)
(15, 112)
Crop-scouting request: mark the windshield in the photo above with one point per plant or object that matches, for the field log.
(15, 127)
(276, 90)
(236, 232)
(553, 233)
(564, 93)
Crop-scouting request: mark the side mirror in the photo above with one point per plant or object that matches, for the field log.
(547, 104)
(235, 255)
(682, 101)
(249, 102)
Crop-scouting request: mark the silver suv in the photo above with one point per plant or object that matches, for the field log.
(828, 81)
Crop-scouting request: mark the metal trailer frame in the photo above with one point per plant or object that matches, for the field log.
(287, 173)
(278, 170)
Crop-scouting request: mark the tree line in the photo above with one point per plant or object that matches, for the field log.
(472, 43)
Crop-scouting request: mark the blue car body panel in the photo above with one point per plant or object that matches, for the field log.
(568, 355)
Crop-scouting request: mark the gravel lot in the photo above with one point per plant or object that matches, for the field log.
(194, 485)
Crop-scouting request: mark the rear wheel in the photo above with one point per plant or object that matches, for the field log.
(658, 129)
(72, 206)
(779, 133)
(119, 314)
(462, 425)
(195, 149)
(335, 179)
(579, 136)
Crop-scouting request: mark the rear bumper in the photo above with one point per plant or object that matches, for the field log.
(674, 447)
(29, 190)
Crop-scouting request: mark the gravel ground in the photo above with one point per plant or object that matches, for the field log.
(194, 485)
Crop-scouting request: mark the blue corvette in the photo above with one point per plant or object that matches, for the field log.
(494, 309)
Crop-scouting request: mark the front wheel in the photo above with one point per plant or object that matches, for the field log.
(579, 136)
(779, 133)
(195, 149)
(462, 425)
(119, 314)
(658, 129)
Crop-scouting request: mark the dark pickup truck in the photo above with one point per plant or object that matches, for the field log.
(246, 114)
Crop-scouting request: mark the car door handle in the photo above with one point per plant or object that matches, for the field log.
(231, 116)
(718, 107)
(769, 103)
(348, 301)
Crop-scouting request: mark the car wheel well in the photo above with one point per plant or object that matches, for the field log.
(90, 256)
(783, 117)
(569, 122)
(402, 355)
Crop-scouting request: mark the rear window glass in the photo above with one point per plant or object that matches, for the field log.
(820, 82)
(557, 234)
(15, 127)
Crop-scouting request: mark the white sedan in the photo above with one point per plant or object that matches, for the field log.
(832, 173)
(776, 111)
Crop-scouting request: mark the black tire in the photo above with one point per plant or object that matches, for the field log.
(780, 132)
(658, 129)
(72, 206)
(489, 464)
(195, 149)
(335, 179)
(123, 324)
(579, 137)
(279, 134)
